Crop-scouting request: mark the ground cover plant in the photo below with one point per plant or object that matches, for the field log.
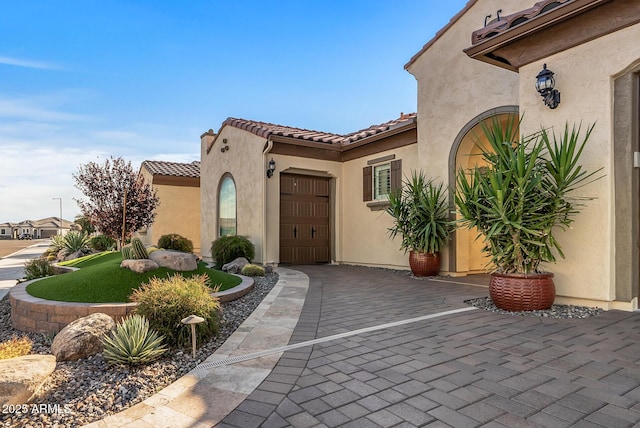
(102, 280)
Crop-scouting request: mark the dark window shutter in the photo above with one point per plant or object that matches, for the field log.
(367, 183)
(396, 174)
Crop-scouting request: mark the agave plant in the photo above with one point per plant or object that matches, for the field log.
(523, 196)
(76, 241)
(132, 342)
(420, 214)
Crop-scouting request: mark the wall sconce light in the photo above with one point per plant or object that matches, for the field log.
(271, 168)
(544, 85)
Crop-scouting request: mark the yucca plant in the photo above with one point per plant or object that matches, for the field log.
(420, 214)
(75, 241)
(133, 343)
(523, 195)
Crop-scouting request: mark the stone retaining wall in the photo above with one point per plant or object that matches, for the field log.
(35, 315)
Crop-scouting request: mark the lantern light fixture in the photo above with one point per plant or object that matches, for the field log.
(271, 169)
(545, 84)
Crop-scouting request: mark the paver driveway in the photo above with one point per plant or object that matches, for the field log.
(469, 369)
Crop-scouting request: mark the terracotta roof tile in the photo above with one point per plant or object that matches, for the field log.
(266, 130)
(175, 169)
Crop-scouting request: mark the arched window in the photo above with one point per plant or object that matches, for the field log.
(227, 207)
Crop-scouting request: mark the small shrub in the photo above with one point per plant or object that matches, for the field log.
(229, 248)
(164, 302)
(152, 249)
(252, 270)
(102, 243)
(51, 258)
(173, 241)
(37, 268)
(15, 347)
(132, 342)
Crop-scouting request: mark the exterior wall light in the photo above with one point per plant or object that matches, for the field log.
(271, 168)
(544, 85)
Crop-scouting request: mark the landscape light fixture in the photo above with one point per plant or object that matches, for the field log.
(271, 168)
(545, 84)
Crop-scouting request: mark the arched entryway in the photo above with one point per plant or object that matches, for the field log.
(465, 255)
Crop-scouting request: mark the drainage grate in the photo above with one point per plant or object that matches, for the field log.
(246, 357)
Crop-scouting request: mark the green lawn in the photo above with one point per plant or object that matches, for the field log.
(101, 280)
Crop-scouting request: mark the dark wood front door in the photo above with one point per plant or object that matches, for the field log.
(304, 219)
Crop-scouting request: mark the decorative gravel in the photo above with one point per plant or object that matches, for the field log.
(83, 391)
(556, 311)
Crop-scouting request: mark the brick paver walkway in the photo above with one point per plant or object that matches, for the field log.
(470, 369)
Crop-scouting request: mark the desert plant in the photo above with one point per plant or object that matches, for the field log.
(57, 243)
(252, 270)
(37, 268)
(102, 243)
(173, 241)
(229, 248)
(132, 342)
(165, 302)
(522, 196)
(127, 252)
(139, 251)
(420, 214)
(15, 347)
(75, 241)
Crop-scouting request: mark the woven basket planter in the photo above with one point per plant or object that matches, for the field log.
(424, 264)
(522, 292)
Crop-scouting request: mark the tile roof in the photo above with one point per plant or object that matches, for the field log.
(266, 130)
(175, 169)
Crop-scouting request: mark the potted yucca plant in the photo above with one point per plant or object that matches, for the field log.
(420, 216)
(517, 201)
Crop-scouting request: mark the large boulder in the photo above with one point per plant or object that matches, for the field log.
(21, 377)
(175, 260)
(236, 265)
(81, 338)
(139, 266)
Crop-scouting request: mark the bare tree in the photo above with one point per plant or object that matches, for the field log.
(119, 201)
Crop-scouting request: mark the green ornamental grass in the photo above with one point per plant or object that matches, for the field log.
(102, 280)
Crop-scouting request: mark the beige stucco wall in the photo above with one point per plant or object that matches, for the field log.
(584, 75)
(453, 88)
(365, 237)
(178, 212)
(244, 161)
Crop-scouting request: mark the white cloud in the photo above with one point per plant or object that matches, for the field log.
(27, 63)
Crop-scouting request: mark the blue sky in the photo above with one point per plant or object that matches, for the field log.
(84, 80)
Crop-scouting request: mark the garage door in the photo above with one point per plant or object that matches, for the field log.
(48, 233)
(304, 219)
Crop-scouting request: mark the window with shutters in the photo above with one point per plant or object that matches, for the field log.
(381, 181)
(379, 178)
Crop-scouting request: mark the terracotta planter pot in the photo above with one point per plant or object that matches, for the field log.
(424, 264)
(522, 292)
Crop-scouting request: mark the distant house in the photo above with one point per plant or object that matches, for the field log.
(44, 228)
(178, 187)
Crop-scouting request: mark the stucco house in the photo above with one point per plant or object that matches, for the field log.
(178, 188)
(43, 228)
(483, 64)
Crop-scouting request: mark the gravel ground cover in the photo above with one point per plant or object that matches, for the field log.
(83, 391)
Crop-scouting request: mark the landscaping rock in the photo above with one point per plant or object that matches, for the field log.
(139, 266)
(21, 377)
(175, 260)
(73, 256)
(236, 265)
(81, 338)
